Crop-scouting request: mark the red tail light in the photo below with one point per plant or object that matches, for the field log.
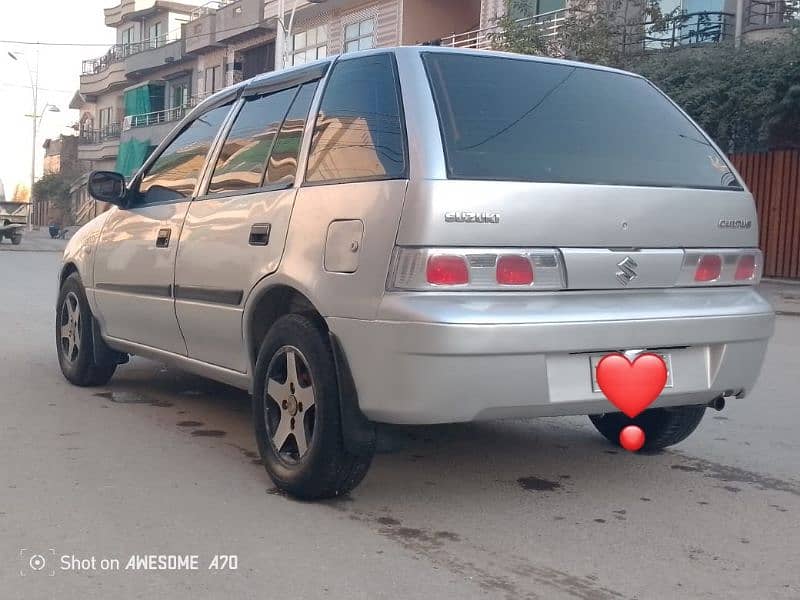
(514, 270)
(709, 268)
(746, 269)
(447, 270)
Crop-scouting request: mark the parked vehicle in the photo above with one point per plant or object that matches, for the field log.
(423, 235)
(13, 218)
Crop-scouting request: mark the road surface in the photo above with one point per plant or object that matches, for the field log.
(163, 463)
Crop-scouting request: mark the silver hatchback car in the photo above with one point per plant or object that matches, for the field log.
(422, 235)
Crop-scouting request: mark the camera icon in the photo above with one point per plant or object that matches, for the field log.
(32, 561)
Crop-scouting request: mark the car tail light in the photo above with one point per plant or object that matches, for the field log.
(746, 269)
(513, 269)
(724, 266)
(446, 269)
(709, 268)
(477, 269)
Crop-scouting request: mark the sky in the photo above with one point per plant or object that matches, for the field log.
(76, 22)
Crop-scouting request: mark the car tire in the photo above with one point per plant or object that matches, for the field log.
(74, 337)
(16, 240)
(302, 446)
(662, 427)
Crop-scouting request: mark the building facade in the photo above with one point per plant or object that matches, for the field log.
(170, 55)
(690, 22)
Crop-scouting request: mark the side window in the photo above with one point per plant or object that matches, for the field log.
(243, 159)
(283, 160)
(358, 135)
(175, 172)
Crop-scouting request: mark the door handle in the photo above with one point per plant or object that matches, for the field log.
(259, 234)
(162, 241)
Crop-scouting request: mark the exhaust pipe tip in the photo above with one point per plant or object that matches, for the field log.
(717, 403)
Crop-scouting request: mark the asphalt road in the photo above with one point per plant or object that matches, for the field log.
(161, 462)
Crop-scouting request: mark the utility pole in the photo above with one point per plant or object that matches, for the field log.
(36, 118)
(737, 36)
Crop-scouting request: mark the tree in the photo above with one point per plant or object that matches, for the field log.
(21, 193)
(54, 188)
(606, 32)
(746, 98)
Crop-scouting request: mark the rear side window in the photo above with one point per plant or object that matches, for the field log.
(283, 160)
(243, 159)
(522, 120)
(359, 134)
(173, 175)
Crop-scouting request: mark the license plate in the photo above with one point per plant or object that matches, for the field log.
(631, 355)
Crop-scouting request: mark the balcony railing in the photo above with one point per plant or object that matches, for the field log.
(688, 29)
(158, 117)
(672, 31)
(482, 39)
(98, 136)
(208, 8)
(119, 52)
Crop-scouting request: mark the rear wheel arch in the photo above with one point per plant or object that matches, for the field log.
(270, 305)
(67, 270)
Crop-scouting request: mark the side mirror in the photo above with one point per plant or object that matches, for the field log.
(107, 186)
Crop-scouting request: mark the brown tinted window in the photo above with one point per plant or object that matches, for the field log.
(174, 173)
(359, 134)
(283, 161)
(243, 158)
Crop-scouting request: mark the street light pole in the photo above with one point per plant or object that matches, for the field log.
(35, 91)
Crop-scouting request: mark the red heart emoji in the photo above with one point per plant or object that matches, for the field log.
(631, 386)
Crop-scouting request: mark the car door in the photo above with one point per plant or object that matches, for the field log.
(135, 261)
(235, 230)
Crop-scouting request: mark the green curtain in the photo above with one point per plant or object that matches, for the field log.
(137, 101)
(132, 154)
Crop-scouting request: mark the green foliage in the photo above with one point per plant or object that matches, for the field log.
(747, 99)
(54, 188)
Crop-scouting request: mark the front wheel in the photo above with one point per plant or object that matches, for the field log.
(16, 239)
(297, 416)
(74, 337)
(662, 426)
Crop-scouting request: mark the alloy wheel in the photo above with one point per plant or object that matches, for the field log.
(70, 327)
(290, 404)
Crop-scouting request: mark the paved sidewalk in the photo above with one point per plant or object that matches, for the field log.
(36, 241)
(783, 294)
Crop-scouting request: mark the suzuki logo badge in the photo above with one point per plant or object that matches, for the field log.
(627, 270)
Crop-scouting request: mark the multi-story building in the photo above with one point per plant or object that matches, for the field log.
(170, 54)
(691, 22)
(60, 156)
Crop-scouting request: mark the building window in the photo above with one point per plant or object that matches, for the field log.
(359, 36)
(308, 46)
(213, 79)
(521, 9)
(105, 118)
(155, 35)
(127, 37)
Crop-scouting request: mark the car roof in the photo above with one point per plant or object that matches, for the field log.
(289, 73)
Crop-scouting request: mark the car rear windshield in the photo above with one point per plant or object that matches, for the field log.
(523, 120)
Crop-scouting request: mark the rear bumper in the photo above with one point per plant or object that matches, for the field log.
(437, 358)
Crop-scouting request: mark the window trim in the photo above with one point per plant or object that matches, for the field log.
(406, 174)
